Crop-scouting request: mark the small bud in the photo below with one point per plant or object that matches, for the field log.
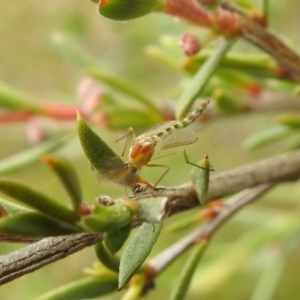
(89, 94)
(189, 44)
(36, 130)
(105, 200)
(85, 209)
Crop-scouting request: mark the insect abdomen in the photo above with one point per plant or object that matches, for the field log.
(194, 114)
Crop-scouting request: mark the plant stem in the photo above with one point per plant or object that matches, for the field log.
(165, 258)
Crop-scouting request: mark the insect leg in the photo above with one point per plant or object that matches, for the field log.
(130, 134)
(163, 175)
(193, 164)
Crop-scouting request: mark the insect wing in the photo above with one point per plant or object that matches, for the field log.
(159, 128)
(178, 138)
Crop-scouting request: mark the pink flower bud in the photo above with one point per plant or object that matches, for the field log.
(89, 94)
(189, 44)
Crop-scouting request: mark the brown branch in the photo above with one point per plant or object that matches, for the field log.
(267, 41)
(231, 22)
(284, 167)
(41, 253)
(165, 258)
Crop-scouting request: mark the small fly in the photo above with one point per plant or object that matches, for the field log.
(163, 136)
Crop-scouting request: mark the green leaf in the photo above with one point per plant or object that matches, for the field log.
(118, 118)
(272, 271)
(26, 157)
(267, 136)
(13, 99)
(200, 178)
(138, 250)
(12, 208)
(106, 218)
(153, 210)
(122, 10)
(37, 200)
(108, 260)
(137, 286)
(201, 78)
(125, 88)
(254, 64)
(85, 288)
(226, 102)
(290, 120)
(67, 49)
(188, 271)
(34, 224)
(68, 176)
(103, 159)
(115, 239)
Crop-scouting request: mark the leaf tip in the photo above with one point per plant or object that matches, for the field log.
(78, 116)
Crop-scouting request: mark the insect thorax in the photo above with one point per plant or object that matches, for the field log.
(141, 151)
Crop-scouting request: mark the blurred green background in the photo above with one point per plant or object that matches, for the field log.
(30, 62)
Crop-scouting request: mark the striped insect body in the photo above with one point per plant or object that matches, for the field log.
(163, 136)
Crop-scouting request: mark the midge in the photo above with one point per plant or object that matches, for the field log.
(163, 136)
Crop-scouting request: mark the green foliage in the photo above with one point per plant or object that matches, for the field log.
(13, 99)
(153, 210)
(22, 159)
(105, 218)
(109, 261)
(127, 10)
(89, 287)
(37, 200)
(115, 239)
(102, 158)
(68, 176)
(236, 81)
(188, 270)
(200, 80)
(200, 178)
(34, 224)
(138, 250)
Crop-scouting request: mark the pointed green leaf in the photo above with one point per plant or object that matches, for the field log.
(200, 178)
(34, 224)
(108, 260)
(37, 200)
(68, 176)
(180, 289)
(106, 218)
(115, 239)
(153, 210)
(126, 10)
(85, 288)
(137, 250)
(103, 159)
(199, 81)
(265, 137)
